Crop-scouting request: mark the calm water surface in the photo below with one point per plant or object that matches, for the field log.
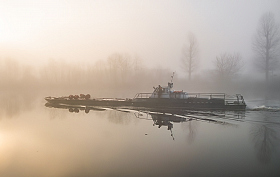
(36, 140)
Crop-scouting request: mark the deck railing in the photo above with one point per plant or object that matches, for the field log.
(228, 99)
(142, 95)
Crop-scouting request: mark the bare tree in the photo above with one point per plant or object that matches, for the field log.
(120, 65)
(266, 44)
(228, 65)
(190, 55)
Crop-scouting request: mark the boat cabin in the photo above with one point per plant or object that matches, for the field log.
(166, 92)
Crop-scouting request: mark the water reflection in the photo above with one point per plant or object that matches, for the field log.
(162, 118)
(191, 127)
(119, 117)
(74, 108)
(88, 141)
(264, 135)
(13, 104)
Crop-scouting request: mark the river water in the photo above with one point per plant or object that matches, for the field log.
(36, 140)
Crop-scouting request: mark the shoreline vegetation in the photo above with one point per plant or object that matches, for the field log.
(120, 78)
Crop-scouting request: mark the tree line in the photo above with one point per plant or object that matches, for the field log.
(123, 72)
(118, 72)
(265, 46)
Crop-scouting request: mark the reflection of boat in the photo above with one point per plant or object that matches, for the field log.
(161, 98)
(160, 117)
(163, 117)
(74, 108)
(165, 120)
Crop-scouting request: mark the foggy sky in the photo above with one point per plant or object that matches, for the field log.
(34, 31)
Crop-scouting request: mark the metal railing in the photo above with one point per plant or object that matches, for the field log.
(142, 95)
(228, 99)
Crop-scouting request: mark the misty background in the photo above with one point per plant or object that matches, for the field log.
(119, 48)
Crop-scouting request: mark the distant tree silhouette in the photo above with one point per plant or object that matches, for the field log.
(120, 66)
(266, 44)
(228, 65)
(190, 55)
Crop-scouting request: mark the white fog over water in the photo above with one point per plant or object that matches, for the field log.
(118, 48)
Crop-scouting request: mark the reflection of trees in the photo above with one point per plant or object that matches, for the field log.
(223, 118)
(192, 131)
(191, 127)
(54, 113)
(264, 137)
(13, 104)
(118, 117)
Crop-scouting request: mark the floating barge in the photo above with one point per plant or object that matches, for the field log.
(161, 98)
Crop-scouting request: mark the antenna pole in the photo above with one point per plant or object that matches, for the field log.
(172, 77)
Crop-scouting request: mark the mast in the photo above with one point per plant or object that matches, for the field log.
(170, 84)
(172, 77)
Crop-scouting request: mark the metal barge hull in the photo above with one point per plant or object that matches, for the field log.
(153, 103)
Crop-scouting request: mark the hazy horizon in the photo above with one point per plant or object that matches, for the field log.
(155, 31)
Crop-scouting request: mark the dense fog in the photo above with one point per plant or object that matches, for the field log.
(121, 76)
(120, 48)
